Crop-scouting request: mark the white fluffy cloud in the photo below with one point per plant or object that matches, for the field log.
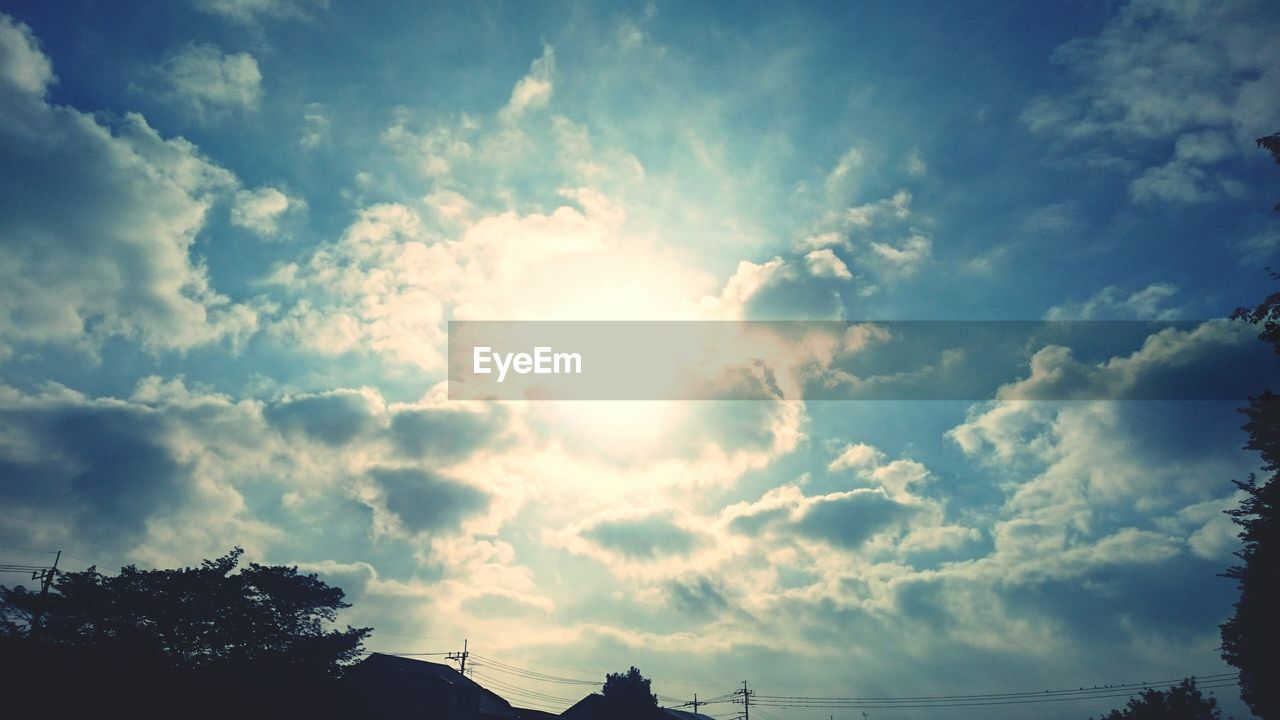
(210, 83)
(534, 90)
(262, 210)
(23, 66)
(98, 230)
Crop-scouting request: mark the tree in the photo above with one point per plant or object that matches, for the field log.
(628, 695)
(1271, 144)
(265, 616)
(1180, 702)
(1251, 637)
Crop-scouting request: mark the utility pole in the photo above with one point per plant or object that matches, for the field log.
(46, 579)
(695, 703)
(746, 702)
(46, 576)
(460, 657)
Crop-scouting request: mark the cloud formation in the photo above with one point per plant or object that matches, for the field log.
(211, 83)
(99, 228)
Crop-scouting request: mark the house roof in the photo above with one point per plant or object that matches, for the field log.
(684, 715)
(589, 707)
(419, 673)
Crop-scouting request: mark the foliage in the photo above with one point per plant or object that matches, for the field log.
(1251, 637)
(193, 618)
(1180, 702)
(1271, 144)
(628, 695)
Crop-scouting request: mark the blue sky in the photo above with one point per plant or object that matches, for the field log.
(234, 231)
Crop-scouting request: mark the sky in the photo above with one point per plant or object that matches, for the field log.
(233, 233)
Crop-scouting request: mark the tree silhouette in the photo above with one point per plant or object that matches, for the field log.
(193, 618)
(1180, 702)
(1251, 638)
(628, 695)
(1271, 144)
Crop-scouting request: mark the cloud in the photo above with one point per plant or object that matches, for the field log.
(444, 435)
(392, 280)
(1167, 362)
(533, 91)
(1258, 247)
(144, 478)
(262, 210)
(315, 126)
(1110, 303)
(841, 181)
(914, 165)
(425, 502)
(698, 596)
(22, 65)
(335, 418)
(211, 83)
(856, 456)
(645, 537)
(824, 263)
(249, 12)
(116, 261)
(1053, 219)
(890, 516)
(1200, 77)
(850, 519)
(1181, 181)
(1098, 483)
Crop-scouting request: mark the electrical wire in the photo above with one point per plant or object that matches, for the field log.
(1101, 689)
(801, 703)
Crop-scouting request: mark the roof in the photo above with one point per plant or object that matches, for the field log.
(527, 714)
(589, 707)
(684, 715)
(410, 673)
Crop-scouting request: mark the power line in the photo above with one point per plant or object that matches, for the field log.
(1218, 677)
(29, 550)
(525, 691)
(871, 704)
(404, 654)
(418, 637)
(751, 698)
(532, 674)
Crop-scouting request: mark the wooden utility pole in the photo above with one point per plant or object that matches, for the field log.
(460, 657)
(46, 579)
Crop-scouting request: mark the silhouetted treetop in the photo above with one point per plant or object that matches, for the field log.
(193, 617)
(1180, 702)
(628, 695)
(1251, 637)
(1271, 144)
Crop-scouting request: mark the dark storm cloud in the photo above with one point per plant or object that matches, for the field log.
(647, 537)
(426, 502)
